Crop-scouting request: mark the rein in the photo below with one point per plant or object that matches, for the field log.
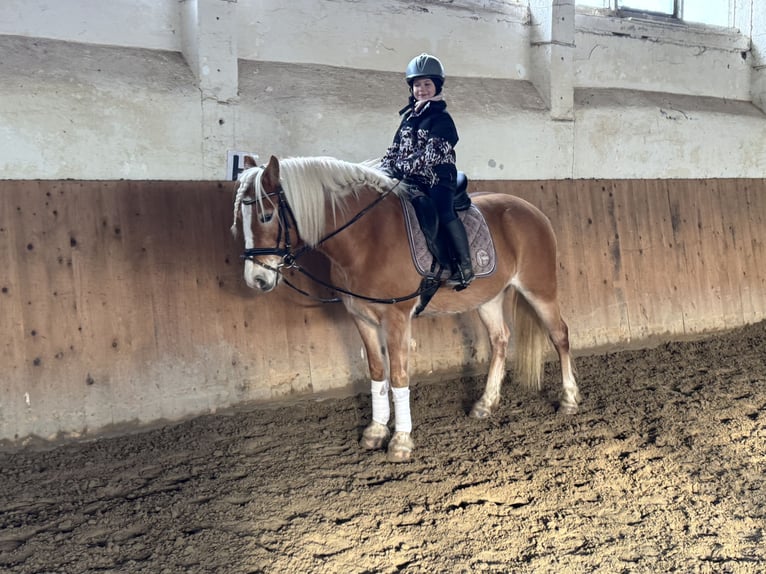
(290, 256)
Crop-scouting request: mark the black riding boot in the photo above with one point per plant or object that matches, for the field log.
(463, 274)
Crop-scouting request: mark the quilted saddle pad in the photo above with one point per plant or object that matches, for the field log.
(479, 240)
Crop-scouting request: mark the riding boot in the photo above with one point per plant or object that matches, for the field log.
(463, 274)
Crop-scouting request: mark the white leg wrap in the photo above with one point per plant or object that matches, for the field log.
(402, 409)
(381, 409)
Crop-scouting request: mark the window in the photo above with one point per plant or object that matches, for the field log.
(712, 12)
(715, 12)
(666, 7)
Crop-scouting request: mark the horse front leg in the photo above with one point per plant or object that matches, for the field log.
(397, 330)
(377, 433)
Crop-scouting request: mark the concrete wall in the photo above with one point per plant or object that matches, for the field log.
(163, 89)
(151, 24)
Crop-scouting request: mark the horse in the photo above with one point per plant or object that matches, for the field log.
(351, 212)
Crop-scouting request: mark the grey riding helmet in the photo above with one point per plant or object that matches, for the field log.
(425, 66)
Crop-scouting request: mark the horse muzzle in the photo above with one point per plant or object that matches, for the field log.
(262, 277)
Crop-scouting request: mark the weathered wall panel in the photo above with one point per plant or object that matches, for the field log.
(122, 302)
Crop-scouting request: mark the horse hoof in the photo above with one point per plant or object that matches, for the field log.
(567, 409)
(400, 447)
(375, 436)
(481, 411)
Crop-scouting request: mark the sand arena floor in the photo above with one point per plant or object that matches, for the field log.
(662, 471)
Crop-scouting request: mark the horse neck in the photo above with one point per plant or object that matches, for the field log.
(353, 243)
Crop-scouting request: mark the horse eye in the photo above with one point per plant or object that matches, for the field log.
(265, 217)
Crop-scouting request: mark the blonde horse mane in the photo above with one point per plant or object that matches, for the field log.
(308, 183)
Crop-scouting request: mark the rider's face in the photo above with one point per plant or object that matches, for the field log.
(423, 88)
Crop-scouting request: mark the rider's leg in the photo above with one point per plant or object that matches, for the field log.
(443, 199)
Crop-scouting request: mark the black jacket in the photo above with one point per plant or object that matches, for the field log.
(423, 150)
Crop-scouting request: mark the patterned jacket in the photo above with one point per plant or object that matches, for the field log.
(423, 150)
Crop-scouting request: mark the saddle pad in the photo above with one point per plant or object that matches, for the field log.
(479, 240)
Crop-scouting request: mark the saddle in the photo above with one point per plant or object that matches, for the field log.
(429, 250)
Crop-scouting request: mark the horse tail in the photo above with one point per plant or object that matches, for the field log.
(530, 343)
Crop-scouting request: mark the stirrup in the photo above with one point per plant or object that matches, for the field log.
(459, 280)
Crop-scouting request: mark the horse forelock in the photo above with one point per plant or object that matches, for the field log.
(249, 177)
(309, 183)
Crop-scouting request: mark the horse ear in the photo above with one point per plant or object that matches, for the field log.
(249, 161)
(270, 179)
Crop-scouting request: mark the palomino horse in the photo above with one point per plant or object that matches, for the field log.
(351, 213)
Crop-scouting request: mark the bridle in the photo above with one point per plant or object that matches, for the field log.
(284, 216)
(290, 255)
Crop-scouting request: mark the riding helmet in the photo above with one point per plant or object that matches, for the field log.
(425, 66)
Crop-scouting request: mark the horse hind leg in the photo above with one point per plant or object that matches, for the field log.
(571, 394)
(532, 313)
(491, 314)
